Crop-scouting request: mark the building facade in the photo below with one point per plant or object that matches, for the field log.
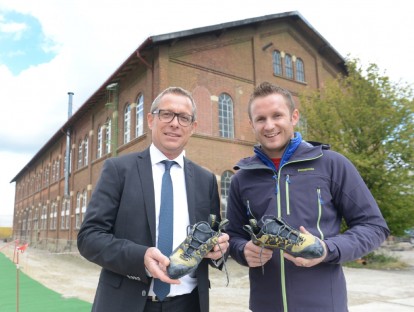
(220, 65)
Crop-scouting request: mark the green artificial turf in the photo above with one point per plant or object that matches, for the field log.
(33, 296)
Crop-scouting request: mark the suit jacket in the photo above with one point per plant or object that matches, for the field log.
(119, 226)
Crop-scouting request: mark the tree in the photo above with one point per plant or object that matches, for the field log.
(370, 120)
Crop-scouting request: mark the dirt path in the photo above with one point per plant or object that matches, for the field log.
(368, 290)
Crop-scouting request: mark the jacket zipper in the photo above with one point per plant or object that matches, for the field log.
(320, 203)
(282, 260)
(279, 214)
(287, 182)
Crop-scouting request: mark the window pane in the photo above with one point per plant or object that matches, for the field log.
(226, 116)
(288, 66)
(80, 154)
(99, 143)
(108, 136)
(86, 151)
(77, 211)
(224, 189)
(277, 63)
(127, 124)
(300, 71)
(58, 169)
(139, 130)
(84, 204)
(62, 216)
(67, 213)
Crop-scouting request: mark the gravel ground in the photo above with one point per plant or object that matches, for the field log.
(368, 290)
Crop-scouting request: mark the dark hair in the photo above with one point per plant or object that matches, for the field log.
(177, 91)
(265, 89)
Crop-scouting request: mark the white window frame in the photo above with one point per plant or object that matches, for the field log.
(80, 154)
(300, 70)
(139, 116)
(127, 123)
(288, 66)
(277, 63)
(77, 211)
(226, 117)
(108, 135)
(99, 142)
(86, 151)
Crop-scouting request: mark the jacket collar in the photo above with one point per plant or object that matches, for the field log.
(297, 150)
(290, 149)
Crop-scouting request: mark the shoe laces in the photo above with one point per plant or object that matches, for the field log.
(267, 228)
(195, 242)
(291, 236)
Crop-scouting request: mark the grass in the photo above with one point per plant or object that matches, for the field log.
(33, 296)
(378, 261)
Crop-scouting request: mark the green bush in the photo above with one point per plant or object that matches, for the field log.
(378, 261)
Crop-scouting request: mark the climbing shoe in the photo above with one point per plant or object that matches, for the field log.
(201, 238)
(271, 232)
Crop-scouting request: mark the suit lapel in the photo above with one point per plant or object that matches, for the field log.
(190, 188)
(146, 180)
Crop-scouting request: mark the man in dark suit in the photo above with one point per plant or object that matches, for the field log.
(120, 228)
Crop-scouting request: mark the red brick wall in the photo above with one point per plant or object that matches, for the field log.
(232, 62)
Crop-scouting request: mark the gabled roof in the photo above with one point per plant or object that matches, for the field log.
(294, 18)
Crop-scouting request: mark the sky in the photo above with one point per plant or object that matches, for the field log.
(51, 47)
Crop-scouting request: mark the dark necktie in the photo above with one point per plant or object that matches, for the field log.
(165, 225)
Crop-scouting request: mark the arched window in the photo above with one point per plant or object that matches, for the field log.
(77, 211)
(277, 63)
(36, 219)
(46, 176)
(80, 154)
(139, 128)
(99, 142)
(67, 214)
(29, 220)
(44, 217)
(38, 181)
(226, 116)
(108, 130)
(58, 169)
(62, 215)
(127, 123)
(300, 70)
(53, 216)
(86, 150)
(32, 184)
(288, 66)
(24, 224)
(84, 203)
(53, 172)
(224, 191)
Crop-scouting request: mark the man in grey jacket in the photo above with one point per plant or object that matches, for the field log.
(312, 189)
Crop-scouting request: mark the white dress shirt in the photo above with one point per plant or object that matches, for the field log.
(181, 217)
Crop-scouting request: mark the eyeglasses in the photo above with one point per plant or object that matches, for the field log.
(167, 116)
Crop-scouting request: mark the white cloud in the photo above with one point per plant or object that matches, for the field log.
(15, 29)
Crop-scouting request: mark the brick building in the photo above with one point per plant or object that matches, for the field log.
(219, 64)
